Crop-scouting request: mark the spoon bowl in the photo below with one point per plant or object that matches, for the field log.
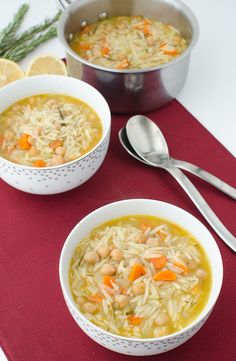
(149, 144)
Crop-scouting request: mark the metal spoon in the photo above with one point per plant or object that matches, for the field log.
(143, 135)
(206, 176)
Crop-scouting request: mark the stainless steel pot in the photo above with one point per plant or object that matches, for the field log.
(130, 91)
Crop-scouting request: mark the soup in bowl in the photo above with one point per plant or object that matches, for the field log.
(137, 277)
(54, 133)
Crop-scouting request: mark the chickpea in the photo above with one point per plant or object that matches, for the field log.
(116, 255)
(108, 269)
(192, 265)
(89, 307)
(121, 301)
(8, 135)
(60, 150)
(80, 300)
(103, 251)
(201, 274)
(141, 238)
(91, 257)
(138, 288)
(153, 242)
(56, 160)
(161, 319)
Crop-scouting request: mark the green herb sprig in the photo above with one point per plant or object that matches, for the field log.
(16, 47)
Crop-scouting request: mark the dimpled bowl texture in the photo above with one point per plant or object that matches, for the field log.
(136, 346)
(56, 179)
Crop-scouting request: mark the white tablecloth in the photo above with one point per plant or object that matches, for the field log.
(210, 90)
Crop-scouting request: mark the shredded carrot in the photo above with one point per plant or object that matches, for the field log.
(39, 163)
(181, 266)
(141, 24)
(1, 139)
(123, 65)
(170, 52)
(137, 271)
(165, 276)
(134, 320)
(85, 30)
(55, 143)
(107, 280)
(85, 46)
(143, 227)
(158, 262)
(146, 30)
(162, 44)
(23, 142)
(95, 298)
(123, 291)
(105, 51)
(160, 235)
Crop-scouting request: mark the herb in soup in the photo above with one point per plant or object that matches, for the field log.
(140, 276)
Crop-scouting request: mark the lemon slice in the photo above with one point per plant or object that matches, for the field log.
(46, 64)
(9, 72)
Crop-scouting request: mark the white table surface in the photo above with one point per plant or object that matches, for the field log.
(210, 91)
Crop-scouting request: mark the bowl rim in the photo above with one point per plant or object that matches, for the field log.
(204, 312)
(178, 3)
(70, 79)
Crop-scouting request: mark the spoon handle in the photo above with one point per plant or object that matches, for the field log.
(203, 207)
(208, 177)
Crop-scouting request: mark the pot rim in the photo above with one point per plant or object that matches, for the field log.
(176, 3)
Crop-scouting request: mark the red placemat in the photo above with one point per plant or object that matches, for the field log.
(35, 323)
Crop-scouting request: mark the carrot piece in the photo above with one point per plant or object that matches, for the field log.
(23, 142)
(165, 276)
(55, 143)
(39, 163)
(170, 52)
(95, 298)
(161, 235)
(158, 262)
(107, 280)
(105, 51)
(123, 65)
(181, 266)
(137, 271)
(134, 320)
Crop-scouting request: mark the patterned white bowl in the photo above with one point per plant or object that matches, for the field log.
(57, 179)
(136, 346)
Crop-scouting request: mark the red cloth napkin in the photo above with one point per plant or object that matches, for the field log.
(35, 324)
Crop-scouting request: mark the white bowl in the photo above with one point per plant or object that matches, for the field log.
(136, 346)
(57, 179)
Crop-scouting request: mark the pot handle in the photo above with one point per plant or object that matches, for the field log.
(61, 5)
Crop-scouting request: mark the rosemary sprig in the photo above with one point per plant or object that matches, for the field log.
(28, 34)
(7, 35)
(18, 53)
(15, 47)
